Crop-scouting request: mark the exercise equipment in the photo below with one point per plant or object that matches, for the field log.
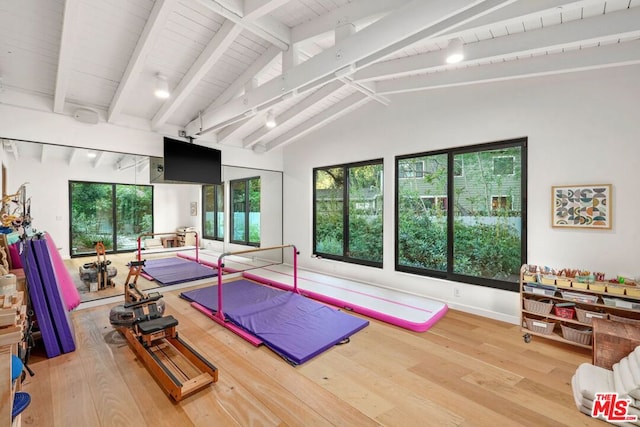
(295, 327)
(174, 270)
(44, 291)
(123, 315)
(178, 368)
(409, 311)
(99, 271)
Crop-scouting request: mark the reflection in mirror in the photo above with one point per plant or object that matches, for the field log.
(81, 196)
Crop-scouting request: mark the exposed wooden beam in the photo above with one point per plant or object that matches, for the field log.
(354, 12)
(517, 12)
(393, 29)
(621, 54)
(335, 111)
(454, 21)
(602, 28)
(68, 41)
(99, 158)
(258, 8)
(72, 156)
(207, 59)
(235, 88)
(264, 27)
(161, 11)
(232, 130)
(296, 110)
(367, 88)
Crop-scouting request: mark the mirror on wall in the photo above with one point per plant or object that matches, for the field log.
(80, 196)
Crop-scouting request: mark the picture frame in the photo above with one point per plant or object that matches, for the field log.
(582, 206)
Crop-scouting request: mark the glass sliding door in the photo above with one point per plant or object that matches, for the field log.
(91, 216)
(245, 211)
(115, 214)
(134, 214)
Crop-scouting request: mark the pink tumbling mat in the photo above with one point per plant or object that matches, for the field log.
(68, 289)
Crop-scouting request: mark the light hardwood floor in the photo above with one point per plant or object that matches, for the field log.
(465, 371)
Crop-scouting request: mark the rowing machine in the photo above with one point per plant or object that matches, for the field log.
(177, 367)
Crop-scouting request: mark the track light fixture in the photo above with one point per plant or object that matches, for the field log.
(161, 87)
(455, 51)
(271, 120)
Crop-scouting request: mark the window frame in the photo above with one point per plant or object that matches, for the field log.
(449, 274)
(114, 214)
(216, 211)
(247, 210)
(345, 214)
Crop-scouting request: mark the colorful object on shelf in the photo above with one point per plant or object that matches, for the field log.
(16, 367)
(20, 402)
(566, 310)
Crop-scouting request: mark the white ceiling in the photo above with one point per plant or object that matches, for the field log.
(229, 62)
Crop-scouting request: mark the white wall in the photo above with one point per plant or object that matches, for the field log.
(48, 185)
(582, 129)
(48, 182)
(34, 124)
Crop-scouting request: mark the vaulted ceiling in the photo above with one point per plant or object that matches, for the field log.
(229, 63)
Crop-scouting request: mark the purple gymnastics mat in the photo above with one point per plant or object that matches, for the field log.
(295, 327)
(169, 271)
(54, 298)
(36, 294)
(53, 318)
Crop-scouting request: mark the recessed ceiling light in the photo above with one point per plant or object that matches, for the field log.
(271, 120)
(161, 87)
(455, 51)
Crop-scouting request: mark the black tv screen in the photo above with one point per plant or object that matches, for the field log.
(189, 162)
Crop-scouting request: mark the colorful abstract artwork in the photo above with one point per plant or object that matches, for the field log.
(581, 206)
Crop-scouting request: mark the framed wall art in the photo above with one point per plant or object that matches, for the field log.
(581, 206)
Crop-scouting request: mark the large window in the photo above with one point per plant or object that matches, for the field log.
(347, 212)
(468, 227)
(115, 214)
(245, 211)
(213, 211)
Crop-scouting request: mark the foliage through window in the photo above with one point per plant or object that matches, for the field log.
(245, 211)
(115, 214)
(477, 232)
(213, 211)
(458, 169)
(347, 212)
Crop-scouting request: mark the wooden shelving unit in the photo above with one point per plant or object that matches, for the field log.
(587, 297)
(10, 336)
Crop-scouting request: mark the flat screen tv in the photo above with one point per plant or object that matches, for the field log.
(187, 162)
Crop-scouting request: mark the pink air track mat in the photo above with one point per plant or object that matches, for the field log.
(397, 308)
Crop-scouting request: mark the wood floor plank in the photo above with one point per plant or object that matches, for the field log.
(466, 371)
